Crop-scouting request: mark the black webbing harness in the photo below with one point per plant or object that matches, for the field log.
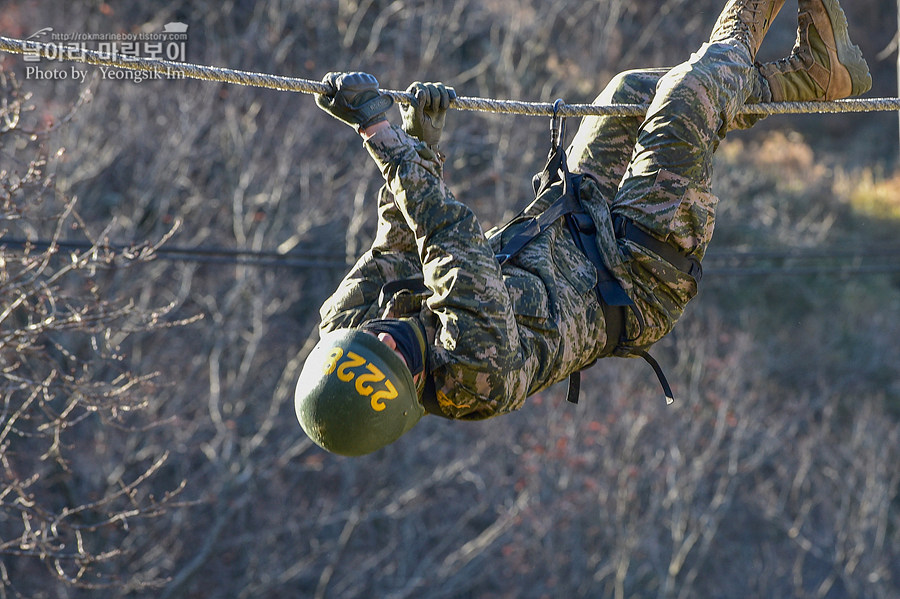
(613, 298)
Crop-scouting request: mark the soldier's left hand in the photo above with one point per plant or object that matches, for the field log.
(426, 116)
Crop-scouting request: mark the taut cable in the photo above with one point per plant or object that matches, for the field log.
(308, 86)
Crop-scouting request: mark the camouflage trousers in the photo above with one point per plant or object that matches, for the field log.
(498, 334)
(657, 169)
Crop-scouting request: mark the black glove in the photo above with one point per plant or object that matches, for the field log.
(355, 99)
(426, 116)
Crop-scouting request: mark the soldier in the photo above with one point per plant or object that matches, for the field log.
(438, 317)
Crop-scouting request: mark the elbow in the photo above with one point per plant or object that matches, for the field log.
(464, 393)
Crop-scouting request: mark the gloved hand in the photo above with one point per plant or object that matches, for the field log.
(355, 99)
(426, 116)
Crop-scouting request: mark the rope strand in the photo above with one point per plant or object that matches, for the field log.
(296, 84)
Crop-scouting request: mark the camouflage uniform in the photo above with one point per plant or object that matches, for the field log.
(498, 335)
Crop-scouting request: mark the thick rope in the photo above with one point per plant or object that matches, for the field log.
(294, 84)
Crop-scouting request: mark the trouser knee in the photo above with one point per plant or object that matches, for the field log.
(631, 87)
(718, 74)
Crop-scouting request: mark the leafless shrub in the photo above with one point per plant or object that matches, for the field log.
(69, 497)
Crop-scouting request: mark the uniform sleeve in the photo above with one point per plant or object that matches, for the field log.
(479, 370)
(393, 256)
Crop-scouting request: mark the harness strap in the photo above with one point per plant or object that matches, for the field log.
(660, 375)
(584, 232)
(413, 285)
(612, 297)
(534, 227)
(614, 318)
(625, 228)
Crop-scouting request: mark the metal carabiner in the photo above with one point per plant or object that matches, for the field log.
(556, 123)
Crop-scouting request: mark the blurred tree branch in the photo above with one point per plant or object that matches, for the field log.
(64, 391)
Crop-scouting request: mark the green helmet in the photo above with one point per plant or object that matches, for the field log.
(355, 395)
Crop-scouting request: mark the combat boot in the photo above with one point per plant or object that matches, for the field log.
(747, 21)
(824, 64)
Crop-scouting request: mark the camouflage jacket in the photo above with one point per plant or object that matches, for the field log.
(497, 335)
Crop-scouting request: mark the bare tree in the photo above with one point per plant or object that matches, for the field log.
(69, 498)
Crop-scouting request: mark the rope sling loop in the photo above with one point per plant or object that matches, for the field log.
(295, 84)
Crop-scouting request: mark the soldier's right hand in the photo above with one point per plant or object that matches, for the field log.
(426, 116)
(354, 99)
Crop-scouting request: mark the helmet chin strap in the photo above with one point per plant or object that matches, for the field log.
(406, 342)
(389, 340)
